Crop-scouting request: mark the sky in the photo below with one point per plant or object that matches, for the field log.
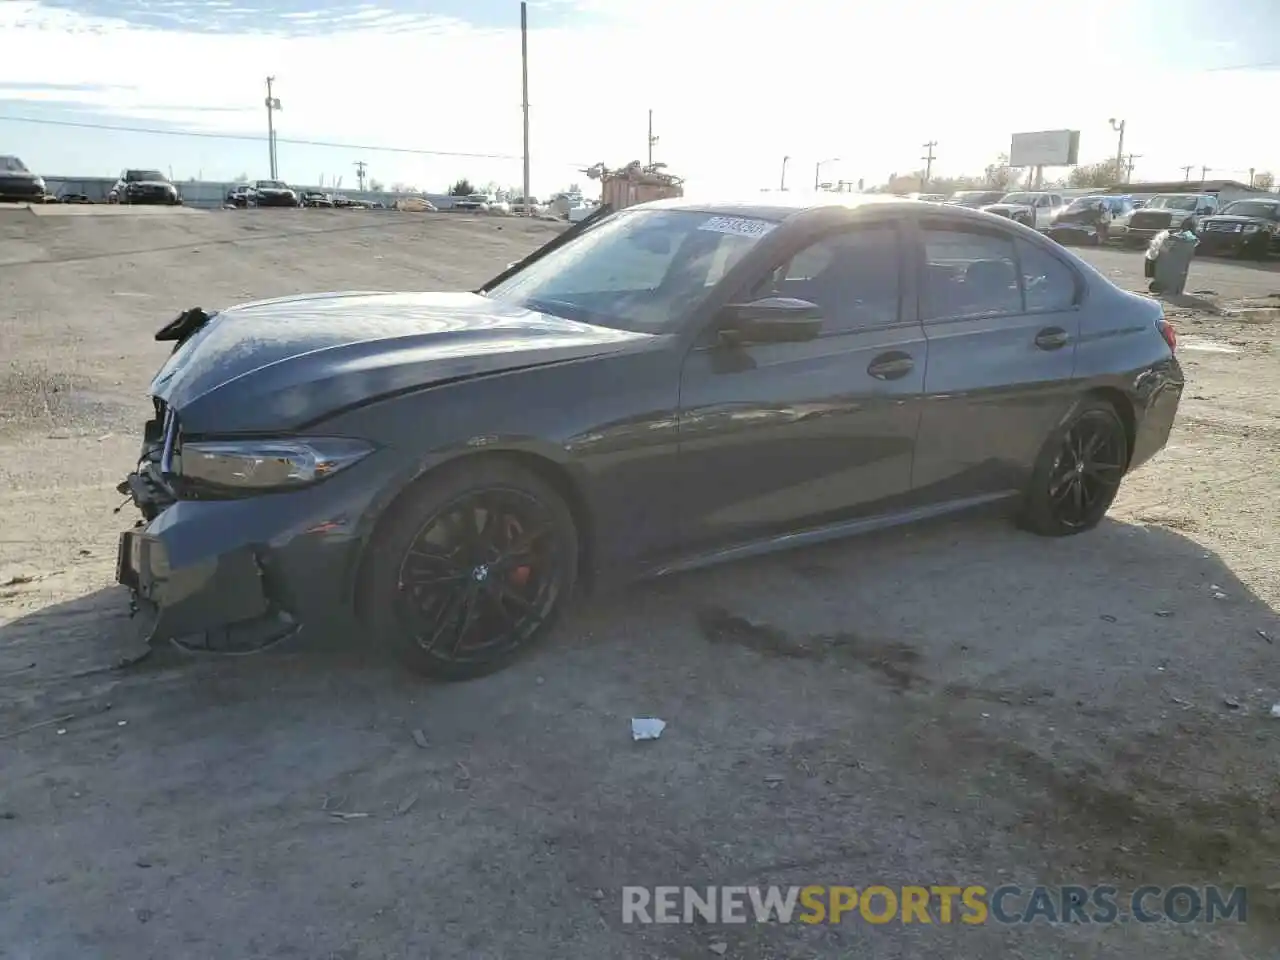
(427, 91)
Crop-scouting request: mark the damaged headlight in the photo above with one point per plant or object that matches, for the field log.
(249, 466)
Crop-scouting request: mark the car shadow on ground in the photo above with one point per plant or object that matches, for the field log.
(1097, 704)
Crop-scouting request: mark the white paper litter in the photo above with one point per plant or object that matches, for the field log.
(647, 728)
(1275, 710)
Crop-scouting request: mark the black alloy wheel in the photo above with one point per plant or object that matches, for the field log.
(471, 569)
(1078, 474)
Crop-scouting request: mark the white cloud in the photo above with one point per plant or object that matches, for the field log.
(733, 87)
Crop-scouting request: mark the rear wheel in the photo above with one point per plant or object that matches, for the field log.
(1078, 473)
(470, 569)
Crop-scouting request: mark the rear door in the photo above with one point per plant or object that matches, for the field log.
(784, 435)
(1001, 316)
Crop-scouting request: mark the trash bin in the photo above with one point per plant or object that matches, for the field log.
(1169, 260)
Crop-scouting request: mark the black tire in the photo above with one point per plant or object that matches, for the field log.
(1061, 500)
(460, 590)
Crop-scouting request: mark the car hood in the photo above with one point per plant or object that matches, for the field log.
(1234, 218)
(274, 189)
(279, 364)
(1078, 216)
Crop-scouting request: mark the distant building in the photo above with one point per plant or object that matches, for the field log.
(1224, 190)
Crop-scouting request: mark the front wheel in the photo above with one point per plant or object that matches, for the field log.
(470, 569)
(1078, 472)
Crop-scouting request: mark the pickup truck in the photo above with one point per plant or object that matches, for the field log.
(1035, 209)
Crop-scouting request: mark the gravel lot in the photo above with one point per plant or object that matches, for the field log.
(960, 703)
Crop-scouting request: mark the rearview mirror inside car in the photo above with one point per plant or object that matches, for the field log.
(770, 320)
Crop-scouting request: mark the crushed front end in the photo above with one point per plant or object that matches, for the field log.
(234, 552)
(196, 593)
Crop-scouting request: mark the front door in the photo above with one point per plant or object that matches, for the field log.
(775, 436)
(1001, 318)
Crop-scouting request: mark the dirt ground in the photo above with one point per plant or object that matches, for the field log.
(959, 703)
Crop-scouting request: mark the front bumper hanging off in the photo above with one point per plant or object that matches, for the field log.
(240, 574)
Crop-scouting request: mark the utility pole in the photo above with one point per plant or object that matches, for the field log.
(1204, 172)
(652, 140)
(524, 82)
(360, 167)
(782, 185)
(1252, 171)
(273, 104)
(1186, 173)
(1118, 126)
(1128, 167)
(928, 164)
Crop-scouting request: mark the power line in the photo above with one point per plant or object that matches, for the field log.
(249, 138)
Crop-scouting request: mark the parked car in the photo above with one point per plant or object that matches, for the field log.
(757, 382)
(18, 184)
(474, 201)
(1090, 219)
(144, 186)
(342, 202)
(1169, 211)
(273, 193)
(1035, 209)
(73, 197)
(314, 198)
(976, 198)
(1244, 228)
(929, 197)
(239, 195)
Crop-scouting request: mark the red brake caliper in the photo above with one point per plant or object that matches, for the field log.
(519, 576)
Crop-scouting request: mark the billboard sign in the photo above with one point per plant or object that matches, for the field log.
(1047, 148)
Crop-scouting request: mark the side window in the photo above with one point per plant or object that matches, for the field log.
(854, 277)
(968, 274)
(1055, 200)
(1049, 283)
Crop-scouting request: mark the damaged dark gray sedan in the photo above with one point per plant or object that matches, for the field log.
(659, 388)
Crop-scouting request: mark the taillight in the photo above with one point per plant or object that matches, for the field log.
(1170, 335)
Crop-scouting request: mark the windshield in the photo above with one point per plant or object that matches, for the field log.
(1172, 203)
(970, 196)
(1254, 208)
(638, 270)
(13, 165)
(1084, 203)
(138, 176)
(1026, 198)
(270, 185)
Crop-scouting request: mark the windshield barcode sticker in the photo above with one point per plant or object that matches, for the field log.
(738, 226)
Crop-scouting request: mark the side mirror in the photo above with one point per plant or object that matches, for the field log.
(771, 320)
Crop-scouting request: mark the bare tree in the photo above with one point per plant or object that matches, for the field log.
(1103, 174)
(1266, 180)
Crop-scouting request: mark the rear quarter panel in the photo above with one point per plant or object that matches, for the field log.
(1121, 349)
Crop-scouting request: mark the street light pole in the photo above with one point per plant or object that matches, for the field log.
(817, 167)
(782, 185)
(1118, 126)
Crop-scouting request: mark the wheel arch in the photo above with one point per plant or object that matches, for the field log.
(1124, 409)
(557, 475)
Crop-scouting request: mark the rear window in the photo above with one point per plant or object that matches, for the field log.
(12, 165)
(137, 176)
